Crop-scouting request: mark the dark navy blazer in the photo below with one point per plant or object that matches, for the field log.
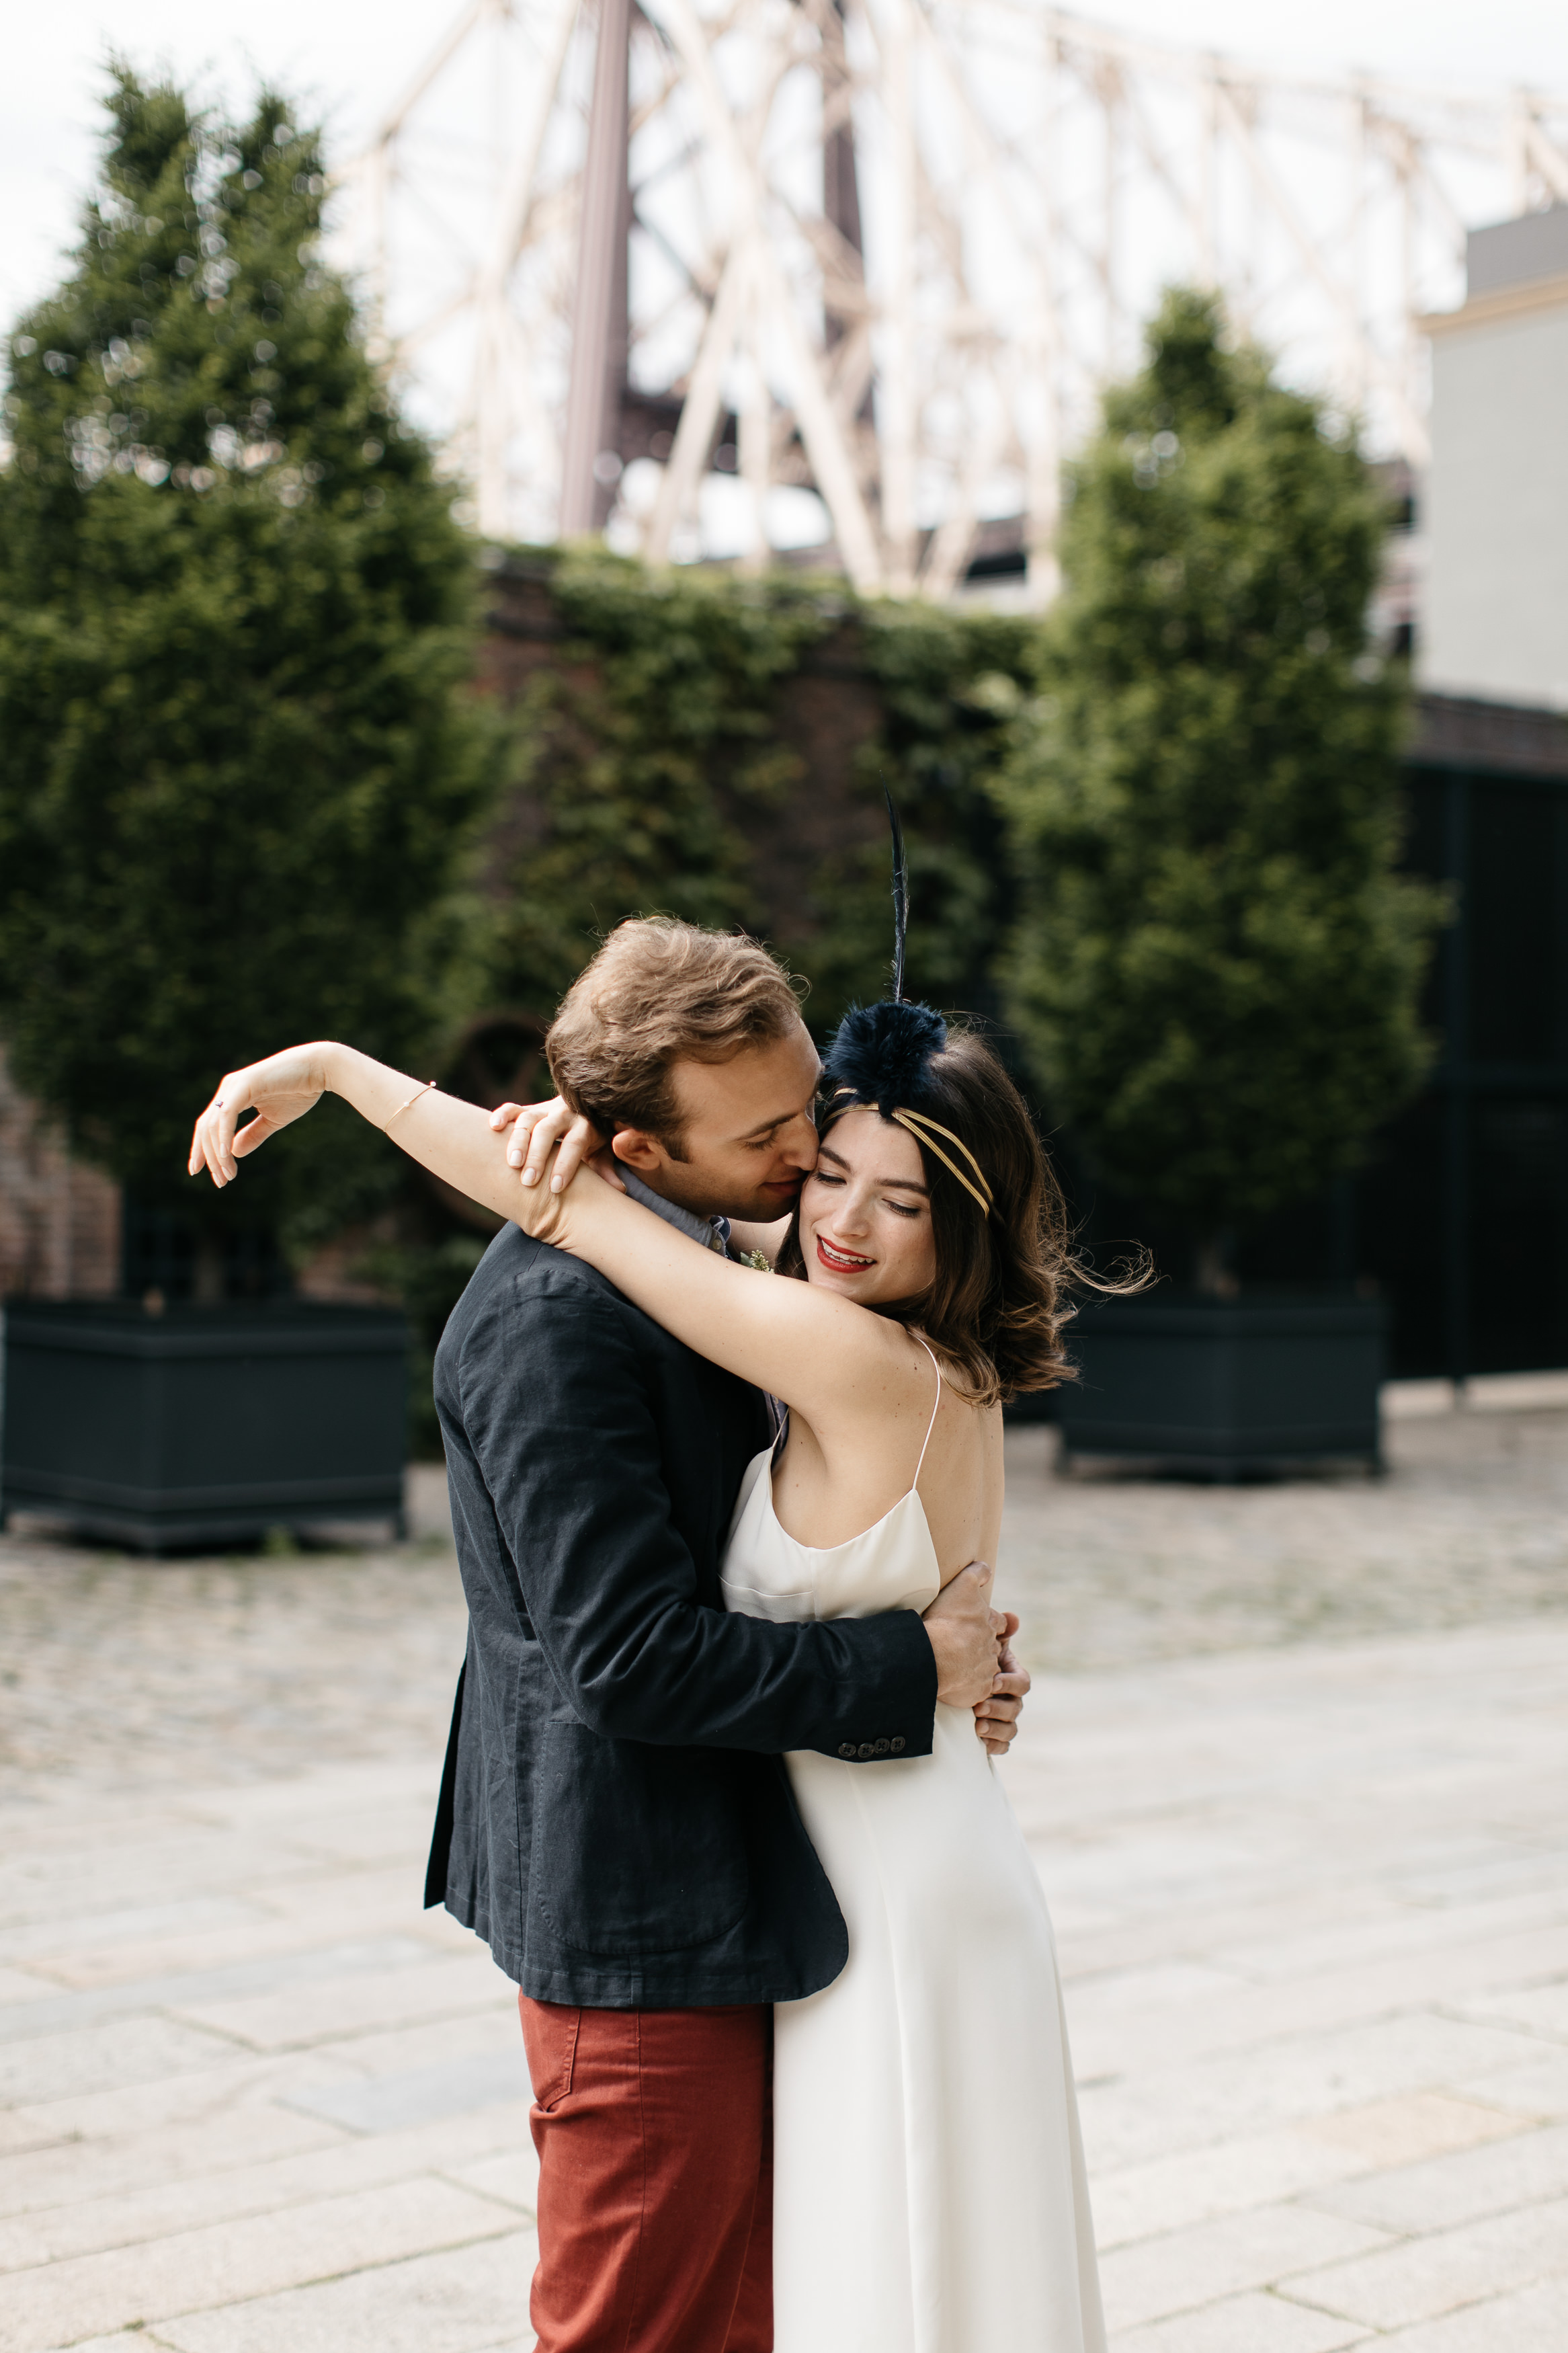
(616, 1817)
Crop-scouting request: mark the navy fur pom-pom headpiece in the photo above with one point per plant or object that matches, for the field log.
(879, 1054)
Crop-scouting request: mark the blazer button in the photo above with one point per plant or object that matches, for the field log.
(897, 1746)
(866, 1749)
(847, 1749)
(883, 1747)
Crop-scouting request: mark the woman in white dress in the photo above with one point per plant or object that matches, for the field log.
(910, 2216)
(916, 2210)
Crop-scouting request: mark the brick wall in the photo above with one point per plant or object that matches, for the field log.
(60, 1220)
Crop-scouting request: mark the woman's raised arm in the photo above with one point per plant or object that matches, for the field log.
(837, 1364)
(454, 1139)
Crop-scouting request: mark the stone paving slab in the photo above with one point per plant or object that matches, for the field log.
(131, 2050)
(1203, 2265)
(1293, 1773)
(196, 2270)
(433, 2304)
(423, 1987)
(137, 2212)
(1469, 1526)
(1515, 2167)
(1541, 2089)
(168, 2101)
(1534, 2321)
(184, 1991)
(71, 2172)
(1243, 2324)
(1441, 2271)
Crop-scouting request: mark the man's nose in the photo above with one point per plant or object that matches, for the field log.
(799, 1142)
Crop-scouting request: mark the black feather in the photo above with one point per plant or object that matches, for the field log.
(880, 1052)
(901, 895)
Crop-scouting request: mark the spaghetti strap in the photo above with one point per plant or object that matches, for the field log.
(934, 1411)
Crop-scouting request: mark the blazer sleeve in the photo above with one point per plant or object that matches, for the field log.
(555, 1404)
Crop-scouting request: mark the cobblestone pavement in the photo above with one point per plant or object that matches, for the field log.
(1469, 1524)
(1293, 1772)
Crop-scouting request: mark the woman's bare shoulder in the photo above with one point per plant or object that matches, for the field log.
(956, 1382)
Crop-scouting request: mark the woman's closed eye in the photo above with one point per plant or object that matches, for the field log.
(900, 1208)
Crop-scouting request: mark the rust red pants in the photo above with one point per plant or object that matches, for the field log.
(653, 2129)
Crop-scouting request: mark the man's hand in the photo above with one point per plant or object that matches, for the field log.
(537, 1129)
(997, 1718)
(964, 1633)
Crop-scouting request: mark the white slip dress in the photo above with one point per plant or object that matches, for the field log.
(929, 2194)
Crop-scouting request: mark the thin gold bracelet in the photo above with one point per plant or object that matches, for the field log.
(413, 1099)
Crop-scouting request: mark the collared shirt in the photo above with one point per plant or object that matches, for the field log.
(710, 1233)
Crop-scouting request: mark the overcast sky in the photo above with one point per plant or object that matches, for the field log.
(346, 58)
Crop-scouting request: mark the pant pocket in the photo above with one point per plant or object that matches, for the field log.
(549, 2032)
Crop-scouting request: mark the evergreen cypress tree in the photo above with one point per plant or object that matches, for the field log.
(239, 763)
(1217, 973)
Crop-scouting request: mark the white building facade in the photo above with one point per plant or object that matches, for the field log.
(1495, 610)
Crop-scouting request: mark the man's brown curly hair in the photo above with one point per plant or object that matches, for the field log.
(659, 992)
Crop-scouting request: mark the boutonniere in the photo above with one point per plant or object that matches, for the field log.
(759, 1259)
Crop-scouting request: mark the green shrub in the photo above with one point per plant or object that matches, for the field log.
(1217, 970)
(239, 764)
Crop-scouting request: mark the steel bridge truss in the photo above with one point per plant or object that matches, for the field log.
(883, 254)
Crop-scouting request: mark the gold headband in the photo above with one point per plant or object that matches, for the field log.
(916, 1123)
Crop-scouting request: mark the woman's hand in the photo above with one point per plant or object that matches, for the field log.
(280, 1089)
(997, 1718)
(546, 1211)
(455, 1140)
(537, 1129)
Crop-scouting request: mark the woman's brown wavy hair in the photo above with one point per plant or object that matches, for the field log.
(1000, 1303)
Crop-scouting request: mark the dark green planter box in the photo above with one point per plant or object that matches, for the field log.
(201, 1425)
(1226, 1388)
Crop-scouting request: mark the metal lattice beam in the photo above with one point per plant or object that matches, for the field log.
(887, 250)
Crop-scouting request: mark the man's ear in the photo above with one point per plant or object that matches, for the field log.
(637, 1150)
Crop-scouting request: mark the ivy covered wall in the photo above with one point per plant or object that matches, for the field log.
(702, 746)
